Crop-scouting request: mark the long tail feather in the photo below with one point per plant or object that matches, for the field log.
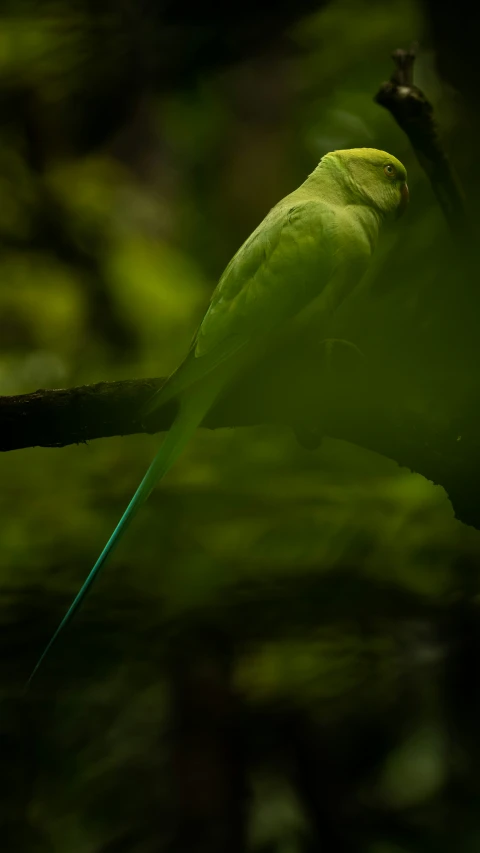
(190, 415)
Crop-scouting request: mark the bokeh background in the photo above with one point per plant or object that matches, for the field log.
(283, 654)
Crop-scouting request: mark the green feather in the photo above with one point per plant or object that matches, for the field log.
(190, 415)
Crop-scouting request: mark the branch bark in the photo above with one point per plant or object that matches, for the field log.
(58, 417)
(366, 410)
(413, 112)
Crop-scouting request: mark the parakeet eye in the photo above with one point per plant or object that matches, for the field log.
(390, 170)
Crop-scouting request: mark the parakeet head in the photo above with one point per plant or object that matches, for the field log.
(369, 176)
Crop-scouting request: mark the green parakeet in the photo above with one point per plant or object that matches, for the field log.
(307, 255)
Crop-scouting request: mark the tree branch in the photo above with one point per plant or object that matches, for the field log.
(413, 112)
(55, 418)
(367, 410)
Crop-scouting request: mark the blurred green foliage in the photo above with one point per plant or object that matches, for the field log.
(107, 261)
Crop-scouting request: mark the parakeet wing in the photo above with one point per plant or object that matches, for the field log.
(282, 266)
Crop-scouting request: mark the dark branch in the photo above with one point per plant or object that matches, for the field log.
(367, 411)
(413, 112)
(55, 418)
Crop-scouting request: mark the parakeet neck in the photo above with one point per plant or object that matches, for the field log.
(329, 183)
(324, 184)
(370, 221)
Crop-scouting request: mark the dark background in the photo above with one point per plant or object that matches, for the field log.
(283, 654)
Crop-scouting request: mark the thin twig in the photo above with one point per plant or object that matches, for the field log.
(413, 112)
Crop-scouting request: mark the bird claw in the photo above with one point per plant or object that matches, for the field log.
(310, 438)
(309, 435)
(347, 348)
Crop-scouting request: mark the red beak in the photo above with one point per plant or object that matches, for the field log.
(405, 195)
